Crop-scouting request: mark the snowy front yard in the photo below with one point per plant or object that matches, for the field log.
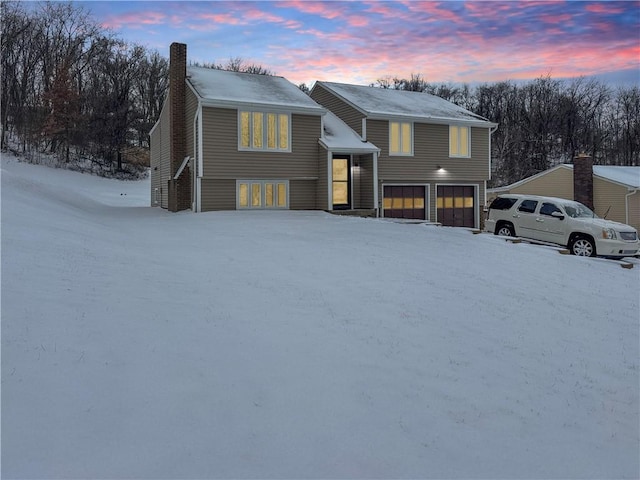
(137, 343)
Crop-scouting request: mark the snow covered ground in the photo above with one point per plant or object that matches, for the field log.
(138, 343)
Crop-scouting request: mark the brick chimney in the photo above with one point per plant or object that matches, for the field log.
(583, 179)
(179, 189)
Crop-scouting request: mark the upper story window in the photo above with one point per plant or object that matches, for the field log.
(459, 141)
(264, 131)
(400, 138)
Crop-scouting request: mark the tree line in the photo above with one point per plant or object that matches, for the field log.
(73, 89)
(546, 121)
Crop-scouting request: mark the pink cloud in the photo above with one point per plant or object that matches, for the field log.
(603, 8)
(322, 9)
(134, 20)
(357, 21)
(555, 19)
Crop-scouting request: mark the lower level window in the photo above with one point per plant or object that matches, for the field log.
(262, 194)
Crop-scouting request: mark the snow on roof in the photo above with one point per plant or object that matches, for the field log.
(629, 176)
(228, 87)
(388, 103)
(338, 135)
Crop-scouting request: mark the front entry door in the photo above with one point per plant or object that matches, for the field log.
(341, 183)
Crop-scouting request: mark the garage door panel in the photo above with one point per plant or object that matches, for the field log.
(404, 201)
(456, 205)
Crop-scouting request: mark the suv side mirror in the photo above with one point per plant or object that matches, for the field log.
(558, 215)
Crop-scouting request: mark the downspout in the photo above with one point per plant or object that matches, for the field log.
(626, 204)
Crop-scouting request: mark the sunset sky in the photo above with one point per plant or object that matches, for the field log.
(362, 41)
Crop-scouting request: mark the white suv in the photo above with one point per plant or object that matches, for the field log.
(563, 222)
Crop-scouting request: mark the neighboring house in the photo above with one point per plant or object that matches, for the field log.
(614, 190)
(228, 140)
(434, 157)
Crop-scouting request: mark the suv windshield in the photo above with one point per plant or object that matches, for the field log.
(578, 210)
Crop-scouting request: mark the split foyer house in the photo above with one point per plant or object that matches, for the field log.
(234, 141)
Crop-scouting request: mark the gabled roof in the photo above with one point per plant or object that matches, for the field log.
(386, 103)
(626, 176)
(225, 88)
(338, 136)
(629, 176)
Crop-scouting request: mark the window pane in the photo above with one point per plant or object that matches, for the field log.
(257, 129)
(458, 202)
(395, 137)
(387, 203)
(406, 138)
(340, 193)
(468, 202)
(256, 199)
(243, 195)
(464, 141)
(268, 194)
(418, 202)
(284, 132)
(244, 129)
(396, 202)
(282, 195)
(271, 130)
(408, 202)
(453, 140)
(448, 202)
(340, 169)
(439, 202)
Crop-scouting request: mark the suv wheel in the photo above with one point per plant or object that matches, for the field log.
(505, 229)
(583, 247)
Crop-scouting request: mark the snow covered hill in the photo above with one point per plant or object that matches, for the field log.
(137, 343)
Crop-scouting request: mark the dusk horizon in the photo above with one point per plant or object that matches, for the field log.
(361, 42)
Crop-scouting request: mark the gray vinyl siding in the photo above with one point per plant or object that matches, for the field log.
(223, 163)
(165, 155)
(222, 159)
(363, 197)
(156, 162)
(322, 188)
(431, 148)
(302, 194)
(218, 194)
(343, 110)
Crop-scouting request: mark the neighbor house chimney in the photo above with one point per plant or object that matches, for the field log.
(179, 189)
(583, 179)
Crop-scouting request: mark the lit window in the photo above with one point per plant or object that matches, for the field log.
(459, 141)
(263, 131)
(260, 194)
(400, 138)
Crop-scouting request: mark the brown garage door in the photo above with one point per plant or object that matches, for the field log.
(404, 202)
(455, 204)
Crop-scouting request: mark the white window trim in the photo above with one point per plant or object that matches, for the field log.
(262, 183)
(401, 154)
(452, 155)
(264, 148)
